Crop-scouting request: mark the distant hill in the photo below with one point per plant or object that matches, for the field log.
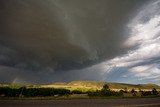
(90, 85)
(116, 86)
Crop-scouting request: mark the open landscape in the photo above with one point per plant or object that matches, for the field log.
(79, 53)
(78, 89)
(80, 94)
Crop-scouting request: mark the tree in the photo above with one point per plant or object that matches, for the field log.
(133, 91)
(105, 87)
(125, 89)
(154, 91)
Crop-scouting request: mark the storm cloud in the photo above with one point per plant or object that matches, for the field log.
(43, 41)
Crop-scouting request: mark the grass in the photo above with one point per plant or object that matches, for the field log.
(89, 86)
(93, 85)
(85, 86)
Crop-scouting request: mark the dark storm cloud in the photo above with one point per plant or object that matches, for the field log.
(54, 36)
(36, 32)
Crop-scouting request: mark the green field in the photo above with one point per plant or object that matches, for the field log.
(93, 85)
(79, 89)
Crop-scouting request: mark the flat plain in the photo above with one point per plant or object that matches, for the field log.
(139, 102)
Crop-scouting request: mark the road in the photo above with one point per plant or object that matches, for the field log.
(142, 102)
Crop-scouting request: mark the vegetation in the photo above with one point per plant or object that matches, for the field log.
(32, 92)
(81, 88)
(104, 92)
(154, 92)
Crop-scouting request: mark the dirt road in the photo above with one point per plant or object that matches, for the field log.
(142, 102)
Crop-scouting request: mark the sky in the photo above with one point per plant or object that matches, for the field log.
(46, 41)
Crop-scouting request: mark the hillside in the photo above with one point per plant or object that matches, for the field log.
(114, 86)
(91, 85)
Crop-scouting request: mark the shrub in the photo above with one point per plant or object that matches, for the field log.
(104, 93)
(77, 92)
(146, 93)
(32, 92)
(154, 91)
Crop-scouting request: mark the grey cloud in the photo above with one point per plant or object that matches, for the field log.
(63, 37)
(139, 65)
(153, 60)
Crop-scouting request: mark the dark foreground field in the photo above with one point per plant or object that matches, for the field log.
(142, 102)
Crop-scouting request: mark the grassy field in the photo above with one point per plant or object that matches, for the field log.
(77, 89)
(93, 85)
(90, 86)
